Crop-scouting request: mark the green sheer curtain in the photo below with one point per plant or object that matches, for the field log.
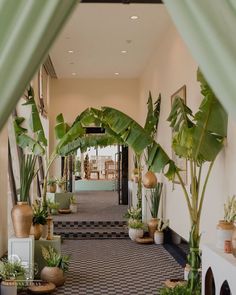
(209, 28)
(27, 30)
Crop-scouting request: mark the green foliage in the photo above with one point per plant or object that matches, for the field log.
(155, 199)
(179, 290)
(51, 181)
(73, 200)
(230, 209)
(136, 224)
(153, 115)
(39, 214)
(134, 213)
(54, 259)
(26, 176)
(11, 269)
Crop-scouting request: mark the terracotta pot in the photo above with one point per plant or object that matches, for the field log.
(149, 180)
(152, 226)
(159, 237)
(52, 188)
(22, 215)
(36, 230)
(53, 275)
(224, 233)
(135, 233)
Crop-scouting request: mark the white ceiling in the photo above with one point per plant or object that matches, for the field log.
(97, 33)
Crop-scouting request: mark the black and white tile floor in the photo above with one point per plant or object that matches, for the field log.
(110, 267)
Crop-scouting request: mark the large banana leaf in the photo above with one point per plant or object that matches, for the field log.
(24, 140)
(35, 121)
(211, 125)
(153, 115)
(61, 127)
(88, 141)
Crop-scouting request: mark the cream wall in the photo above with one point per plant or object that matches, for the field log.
(169, 68)
(72, 96)
(3, 191)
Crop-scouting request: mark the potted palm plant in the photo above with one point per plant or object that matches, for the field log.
(10, 271)
(154, 203)
(22, 213)
(61, 185)
(39, 219)
(56, 266)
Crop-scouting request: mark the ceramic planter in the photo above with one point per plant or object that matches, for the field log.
(224, 233)
(135, 233)
(73, 208)
(36, 230)
(152, 226)
(22, 215)
(52, 188)
(159, 237)
(53, 275)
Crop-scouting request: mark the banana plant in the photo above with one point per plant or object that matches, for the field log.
(199, 139)
(37, 142)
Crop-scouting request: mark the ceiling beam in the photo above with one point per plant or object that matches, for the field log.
(124, 1)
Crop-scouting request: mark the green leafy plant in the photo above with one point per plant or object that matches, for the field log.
(155, 199)
(39, 214)
(61, 181)
(230, 209)
(11, 270)
(27, 175)
(134, 213)
(55, 259)
(51, 181)
(136, 224)
(179, 290)
(73, 200)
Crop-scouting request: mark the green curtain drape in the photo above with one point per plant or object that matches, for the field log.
(27, 30)
(208, 27)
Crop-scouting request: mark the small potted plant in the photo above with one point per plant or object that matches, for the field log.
(154, 203)
(225, 227)
(52, 185)
(22, 213)
(53, 207)
(56, 266)
(73, 204)
(135, 229)
(61, 185)
(39, 219)
(134, 213)
(10, 271)
(159, 234)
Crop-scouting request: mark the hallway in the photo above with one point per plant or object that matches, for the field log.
(111, 267)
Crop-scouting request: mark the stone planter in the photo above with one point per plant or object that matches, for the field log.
(22, 215)
(135, 233)
(73, 208)
(53, 275)
(159, 237)
(8, 287)
(224, 233)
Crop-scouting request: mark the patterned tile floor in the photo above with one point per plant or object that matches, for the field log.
(110, 267)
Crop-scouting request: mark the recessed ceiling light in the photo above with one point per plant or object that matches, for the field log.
(124, 51)
(70, 51)
(74, 74)
(134, 17)
(117, 74)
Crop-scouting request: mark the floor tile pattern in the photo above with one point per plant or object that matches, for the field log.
(112, 267)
